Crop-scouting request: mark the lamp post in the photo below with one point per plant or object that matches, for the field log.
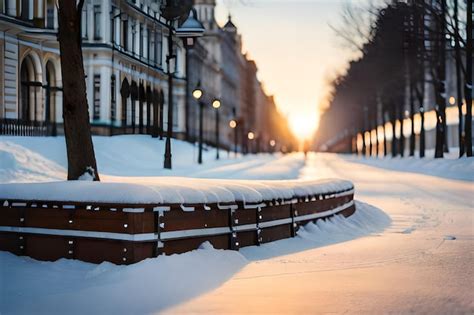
(272, 145)
(250, 136)
(197, 94)
(233, 125)
(217, 104)
(188, 31)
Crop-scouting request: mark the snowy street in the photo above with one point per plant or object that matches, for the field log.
(412, 253)
(423, 262)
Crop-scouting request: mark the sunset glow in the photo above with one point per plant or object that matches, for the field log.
(303, 125)
(284, 52)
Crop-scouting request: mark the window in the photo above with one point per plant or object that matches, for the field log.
(84, 23)
(158, 45)
(25, 9)
(151, 46)
(134, 31)
(125, 35)
(112, 27)
(50, 14)
(141, 35)
(113, 100)
(96, 113)
(97, 22)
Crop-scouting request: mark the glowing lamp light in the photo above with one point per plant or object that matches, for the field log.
(216, 104)
(197, 93)
(272, 143)
(251, 135)
(232, 124)
(452, 100)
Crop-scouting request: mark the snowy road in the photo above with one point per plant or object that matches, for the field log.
(423, 262)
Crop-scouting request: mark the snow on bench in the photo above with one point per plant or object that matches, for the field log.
(145, 217)
(172, 190)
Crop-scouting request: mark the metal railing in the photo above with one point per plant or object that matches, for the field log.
(19, 127)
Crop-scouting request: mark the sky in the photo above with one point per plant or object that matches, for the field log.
(295, 49)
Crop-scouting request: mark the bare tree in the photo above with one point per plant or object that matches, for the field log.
(80, 149)
(457, 56)
(468, 79)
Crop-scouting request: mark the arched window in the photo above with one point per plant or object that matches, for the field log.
(28, 91)
(50, 95)
(113, 100)
(124, 93)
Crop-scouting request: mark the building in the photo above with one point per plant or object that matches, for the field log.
(125, 46)
(124, 49)
(222, 71)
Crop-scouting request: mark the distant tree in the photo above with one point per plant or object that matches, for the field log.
(468, 79)
(80, 149)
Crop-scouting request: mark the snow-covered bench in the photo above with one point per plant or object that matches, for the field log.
(126, 223)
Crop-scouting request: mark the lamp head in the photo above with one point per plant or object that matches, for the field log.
(216, 104)
(197, 93)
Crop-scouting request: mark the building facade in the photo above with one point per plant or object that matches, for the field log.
(124, 45)
(224, 72)
(124, 51)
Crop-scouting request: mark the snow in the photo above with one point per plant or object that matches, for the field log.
(27, 160)
(461, 168)
(422, 262)
(407, 249)
(170, 190)
(74, 287)
(40, 159)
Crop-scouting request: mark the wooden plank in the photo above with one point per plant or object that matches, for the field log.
(185, 245)
(247, 238)
(245, 216)
(271, 213)
(275, 233)
(79, 219)
(178, 220)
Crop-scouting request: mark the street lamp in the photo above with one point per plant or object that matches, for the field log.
(233, 125)
(452, 100)
(272, 145)
(197, 94)
(250, 136)
(188, 31)
(217, 104)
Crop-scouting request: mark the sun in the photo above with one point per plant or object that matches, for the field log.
(303, 126)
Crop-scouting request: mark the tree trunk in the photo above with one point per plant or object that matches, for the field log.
(376, 141)
(412, 116)
(402, 138)
(364, 146)
(468, 84)
(394, 136)
(370, 143)
(440, 82)
(422, 135)
(80, 149)
(457, 49)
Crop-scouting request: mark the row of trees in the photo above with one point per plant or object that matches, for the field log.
(402, 73)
